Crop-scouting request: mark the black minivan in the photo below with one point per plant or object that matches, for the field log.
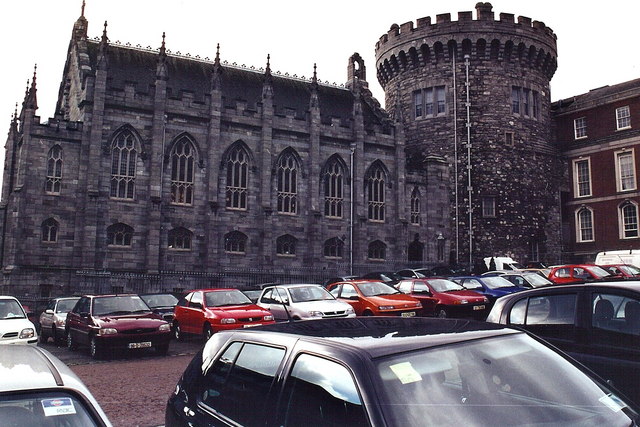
(388, 371)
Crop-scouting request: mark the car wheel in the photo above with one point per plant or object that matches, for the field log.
(442, 313)
(177, 332)
(367, 313)
(94, 349)
(162, 349)
(207, 332)
(71, 344)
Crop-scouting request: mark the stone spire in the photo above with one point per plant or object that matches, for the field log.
(80, 26)
(162, 72)
(314, 103)
(267, 88)
(31, 100)
(104, 43)
(217, 70)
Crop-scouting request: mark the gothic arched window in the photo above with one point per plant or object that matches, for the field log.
(286, 245)
(287, 183)
(376, 193)
(377, 251)
(180, 239)
(49, 230)
(182, 172)
(123, 166)
(54, 170)
(334, 248)
(119, 235)
(235, 242)
(415, 206)
(237, 178)
(333, 189)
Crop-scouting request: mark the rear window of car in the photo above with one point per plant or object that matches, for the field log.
(59, 408)
(547, 309)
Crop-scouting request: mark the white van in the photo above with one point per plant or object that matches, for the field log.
(626, 256)
(503, 263)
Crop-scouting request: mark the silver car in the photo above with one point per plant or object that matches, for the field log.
(302, 301)
(37, 389)
(54, 317)
(15, 327)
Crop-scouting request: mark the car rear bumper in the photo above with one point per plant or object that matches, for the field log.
(125, 342)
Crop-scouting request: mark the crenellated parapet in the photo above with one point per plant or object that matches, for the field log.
(505, 40)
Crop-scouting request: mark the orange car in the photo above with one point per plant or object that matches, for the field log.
(371, 298)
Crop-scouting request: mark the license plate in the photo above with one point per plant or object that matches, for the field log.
(145, 344)
(408, 314)
(478, 307)
(252, 325)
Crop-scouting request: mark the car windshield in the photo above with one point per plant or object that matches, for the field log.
(58, 408)
(496, 282)
(10, 309)
(537, 280)
(372, 289)
(222, 298)
(444, 285)
(66, 305)
(630, 270)
(309, 293)
(119, 305)
(494, 381)
(160, 300)
(599, 272)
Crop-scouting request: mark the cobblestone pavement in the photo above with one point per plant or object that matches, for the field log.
(132, 388)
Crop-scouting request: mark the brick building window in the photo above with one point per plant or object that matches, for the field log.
(625, 171)
(582, 178)
(418, 103)
(334, 248)
(584, 225)
(333, 189)
(237, 178)
(235, 242)
(489, 207)
(119, 235)
(180, 239)
(515, 100)
(182, 172)
(376, 193)
(628, 214)
(508, 139)
(286, 245)
(377, 251)
(415, 206)
(526, 101)
(580, 128)
(430, 102)
(623, 118)
(287, 183)
(123, 166)
(54, 170)
(535, 104)
(49, 230)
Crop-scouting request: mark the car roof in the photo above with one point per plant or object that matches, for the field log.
(8, 297)
(632, 285)
(293, 285)
(378, 336)
(211, 290)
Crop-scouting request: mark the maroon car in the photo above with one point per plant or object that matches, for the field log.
(444, 298)
(206, 311)
(109, 322)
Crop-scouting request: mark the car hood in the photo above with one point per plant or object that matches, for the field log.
(13, 325)
(239, 311)
(392, 299)
(146, 320)
(323, 305)
(470, 296)
(507, 290)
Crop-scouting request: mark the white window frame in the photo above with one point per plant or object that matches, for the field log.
(623, 118)
(580, 128)
(576, 184)
(622, 224)
(620, 183)
(579, 225)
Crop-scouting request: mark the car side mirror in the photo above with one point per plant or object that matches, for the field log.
(48, 311)
(84, 314)
(354, 298)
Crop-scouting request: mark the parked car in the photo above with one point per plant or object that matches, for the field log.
(388, 277)
(331, 280)
(115, 322)
(624, 256)
(413, 273)
(371, 298)
(207, 311)
(597, 323)
(626, 271)
(54, 317)
(579, 273)
(162, 304)
(15, 327)
(447, 271)
(445, 298)
(524, 279)
(302, 301)
(491, 287)
(389, 371)
(37, 389)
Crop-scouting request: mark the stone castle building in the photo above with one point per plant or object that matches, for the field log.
(476, 92)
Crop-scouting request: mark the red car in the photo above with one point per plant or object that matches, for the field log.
(445, 298)
(108, 322)
(626, 271)
(579, 273)
(206, 311)
(370, 298)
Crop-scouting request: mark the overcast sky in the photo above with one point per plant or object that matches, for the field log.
(596, 40)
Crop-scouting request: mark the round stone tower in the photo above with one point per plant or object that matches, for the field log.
(477, 93)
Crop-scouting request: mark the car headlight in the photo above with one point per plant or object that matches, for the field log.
(418, 305)
(107, 331)
(60, 323)
(164, 327)
(316, 314)
(349, 310)
(386, 307)
(227, 320)
(27, 333)
(268, 318)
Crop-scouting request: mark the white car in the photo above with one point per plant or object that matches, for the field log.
(303, 301)
(15, 327)
(54, 318)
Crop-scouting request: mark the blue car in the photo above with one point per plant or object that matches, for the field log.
(493, 287)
